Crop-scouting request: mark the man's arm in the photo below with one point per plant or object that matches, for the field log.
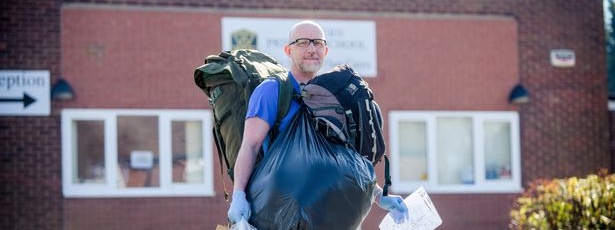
(254, 133)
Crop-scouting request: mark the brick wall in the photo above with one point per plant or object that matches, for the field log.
(30, 194)
(564, 129)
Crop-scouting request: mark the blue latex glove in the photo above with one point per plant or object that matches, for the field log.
(240, 208)
(396, 207)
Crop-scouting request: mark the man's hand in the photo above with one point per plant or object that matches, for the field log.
(240, 208)
(392, 203)
(396, 207)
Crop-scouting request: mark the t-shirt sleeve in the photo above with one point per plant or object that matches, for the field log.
(264, 102)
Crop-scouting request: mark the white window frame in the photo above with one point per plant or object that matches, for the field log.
(480, 185)
(109, 188)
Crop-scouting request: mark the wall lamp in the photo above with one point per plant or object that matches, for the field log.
(62, 91)
(519, 95)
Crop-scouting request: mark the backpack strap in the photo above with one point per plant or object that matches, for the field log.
(387, 177)
(221, 148)
(285, 95)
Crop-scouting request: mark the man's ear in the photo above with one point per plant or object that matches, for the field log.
(326, 50)
(287, 50)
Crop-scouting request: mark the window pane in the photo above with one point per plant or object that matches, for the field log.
(413, 150)
(455, 151)
(187, 151)
(138, 151)
(89, 155)
(497, 150)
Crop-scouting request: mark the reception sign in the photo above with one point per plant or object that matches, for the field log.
(24, 93)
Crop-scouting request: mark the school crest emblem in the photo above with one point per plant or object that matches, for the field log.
(243, 39)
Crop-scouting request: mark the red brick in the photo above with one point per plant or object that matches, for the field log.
(564, 129)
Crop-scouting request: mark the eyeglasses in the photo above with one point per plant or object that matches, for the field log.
(305, 42)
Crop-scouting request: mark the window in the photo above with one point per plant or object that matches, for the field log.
(455, 152)
(136, 153)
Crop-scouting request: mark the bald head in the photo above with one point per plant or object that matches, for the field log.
(306, 29)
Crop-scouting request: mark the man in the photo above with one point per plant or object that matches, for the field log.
(306, 49)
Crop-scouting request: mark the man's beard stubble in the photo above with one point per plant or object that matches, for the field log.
(310, 68)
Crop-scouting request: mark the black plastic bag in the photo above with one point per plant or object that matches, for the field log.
(306, 182)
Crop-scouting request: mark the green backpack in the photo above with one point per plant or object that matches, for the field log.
(228, 79)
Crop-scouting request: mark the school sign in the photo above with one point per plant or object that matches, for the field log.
(350, 42)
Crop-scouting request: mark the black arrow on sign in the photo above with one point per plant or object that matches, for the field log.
(27, 100)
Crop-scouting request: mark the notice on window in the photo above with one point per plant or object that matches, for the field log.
(423, 214)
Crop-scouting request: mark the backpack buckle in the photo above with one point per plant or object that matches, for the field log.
(215, 92)
(352, 125)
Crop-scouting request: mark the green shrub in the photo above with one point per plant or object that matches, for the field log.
(573, 203)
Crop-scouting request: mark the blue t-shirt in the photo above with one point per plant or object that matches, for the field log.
(264, 104)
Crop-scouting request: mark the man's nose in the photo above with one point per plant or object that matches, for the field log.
(311, 47)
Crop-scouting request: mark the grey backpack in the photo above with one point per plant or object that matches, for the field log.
(344, 109)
